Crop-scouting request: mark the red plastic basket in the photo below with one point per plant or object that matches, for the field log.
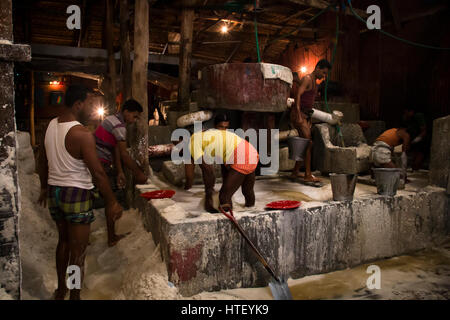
(158, 194)
(284, 204)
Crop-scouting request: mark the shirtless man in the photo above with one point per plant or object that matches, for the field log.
(67, 168)
(301, 113)
(385, 144)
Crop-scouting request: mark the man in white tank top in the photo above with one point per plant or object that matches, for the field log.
(68, 164)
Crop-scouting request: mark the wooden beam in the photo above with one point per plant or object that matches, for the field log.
(139, 78)
(268, 45)
(125, 49)
(43, 54)
(187, 29)
(395, 14)
(84, 23)
(322, 4)
(111, 95)
(32, 129)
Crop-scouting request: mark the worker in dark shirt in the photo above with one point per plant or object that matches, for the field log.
(302, 110)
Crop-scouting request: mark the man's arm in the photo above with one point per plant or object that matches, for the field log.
(43, 173)
(130, 163)
(89, 156)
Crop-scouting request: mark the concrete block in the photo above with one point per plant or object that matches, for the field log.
(206, 253)
(440, 152)
(159, 135)
(330, 157)
(374, 130)
(285, 164)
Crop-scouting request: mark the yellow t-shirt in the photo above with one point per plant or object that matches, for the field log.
(219, 144)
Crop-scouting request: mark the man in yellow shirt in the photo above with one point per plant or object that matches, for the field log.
(237, 157)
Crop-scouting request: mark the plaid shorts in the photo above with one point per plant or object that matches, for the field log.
(71, 204)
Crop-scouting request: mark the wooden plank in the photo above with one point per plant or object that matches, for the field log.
(139, 77)
(322, 4)
(32, 129)
(187, 29)
(111, 95)
(125, 49)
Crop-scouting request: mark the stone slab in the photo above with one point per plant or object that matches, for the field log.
(204, 252)
(440, 152)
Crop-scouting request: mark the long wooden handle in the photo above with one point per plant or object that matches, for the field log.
(259, 255)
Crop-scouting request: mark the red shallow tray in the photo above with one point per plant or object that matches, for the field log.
(158, 194)
(284, 204)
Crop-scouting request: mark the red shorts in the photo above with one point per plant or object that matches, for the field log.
(245, 158)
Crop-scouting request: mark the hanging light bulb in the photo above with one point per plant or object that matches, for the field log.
(224, 29)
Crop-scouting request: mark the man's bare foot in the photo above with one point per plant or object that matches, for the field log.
(311, 178)
(60, 294)
(116, 238)
(209, 206)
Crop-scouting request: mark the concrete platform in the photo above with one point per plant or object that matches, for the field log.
(204, 252)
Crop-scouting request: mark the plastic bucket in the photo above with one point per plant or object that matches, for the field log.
(343, 186)
(297, 147)
(387, 180)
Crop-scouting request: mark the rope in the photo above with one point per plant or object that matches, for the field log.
(256, 36)
(393, 36)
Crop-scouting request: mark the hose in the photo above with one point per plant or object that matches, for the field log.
(338, 127)
(256, 35)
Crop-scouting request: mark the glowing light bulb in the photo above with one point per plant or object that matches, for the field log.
(101, 111)
(303, 69)
(224, 29)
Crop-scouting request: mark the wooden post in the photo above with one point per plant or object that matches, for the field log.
(139, 77)
(32, 129)
(187, 28)
(111, 95)
(125, 49)
(10, 265)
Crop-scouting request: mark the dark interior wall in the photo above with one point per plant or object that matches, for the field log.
(346, 64)
(380, 73)
(393, 74)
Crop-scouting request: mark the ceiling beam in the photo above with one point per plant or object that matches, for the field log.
(322, 4)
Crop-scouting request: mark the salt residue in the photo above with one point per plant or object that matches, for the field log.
(4, 295)
(133, 269)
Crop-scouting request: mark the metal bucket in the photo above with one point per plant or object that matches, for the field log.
(387, 180)
(343, 186)
(297, 147)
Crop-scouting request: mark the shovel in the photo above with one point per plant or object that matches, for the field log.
(279, 287)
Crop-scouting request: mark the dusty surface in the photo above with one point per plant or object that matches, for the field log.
(282, 188)
(134, 269)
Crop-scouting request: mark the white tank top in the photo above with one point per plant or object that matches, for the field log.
(63, 169)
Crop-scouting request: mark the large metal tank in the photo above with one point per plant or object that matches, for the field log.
(245, 86)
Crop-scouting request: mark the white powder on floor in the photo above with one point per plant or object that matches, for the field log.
(133, 269)
(4, 295)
